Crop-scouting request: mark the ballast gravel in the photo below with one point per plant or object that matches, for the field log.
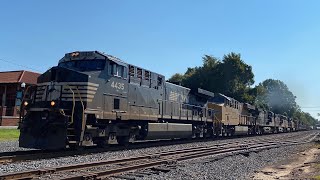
(8, 146)
(234, 167)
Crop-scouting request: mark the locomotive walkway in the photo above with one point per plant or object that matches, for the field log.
(106, 168)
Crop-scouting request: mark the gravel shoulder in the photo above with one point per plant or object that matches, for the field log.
(12, 145)
(303, 165)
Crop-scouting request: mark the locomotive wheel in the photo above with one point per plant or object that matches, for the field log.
(123, 140)
(103, 143)
(72, 146)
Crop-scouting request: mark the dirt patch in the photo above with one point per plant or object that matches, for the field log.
(303, 165)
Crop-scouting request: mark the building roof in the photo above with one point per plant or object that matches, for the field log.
(27, 77)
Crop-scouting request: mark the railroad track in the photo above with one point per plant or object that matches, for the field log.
(9, 157)
(106, 168)
(16, 156)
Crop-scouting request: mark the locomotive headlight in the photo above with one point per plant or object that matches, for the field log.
(25, 103)
(52, 103)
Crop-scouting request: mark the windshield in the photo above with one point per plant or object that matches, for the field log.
(84, 65)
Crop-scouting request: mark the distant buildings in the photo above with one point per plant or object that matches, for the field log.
(13, 86)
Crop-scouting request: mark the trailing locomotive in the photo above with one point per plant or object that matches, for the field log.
(92, 98)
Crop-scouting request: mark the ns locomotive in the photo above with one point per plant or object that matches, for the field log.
(95, 99)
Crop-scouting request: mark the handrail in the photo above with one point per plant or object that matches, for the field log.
(21, 109)
(161, 100)
(83, 118)
(73, 103)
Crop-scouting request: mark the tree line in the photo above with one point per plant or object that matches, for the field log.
(233, 77)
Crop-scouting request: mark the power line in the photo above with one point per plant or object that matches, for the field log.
(26, 67)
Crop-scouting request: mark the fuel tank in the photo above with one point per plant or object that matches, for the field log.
(168, 130)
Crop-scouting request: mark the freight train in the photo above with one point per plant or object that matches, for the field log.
(94, 99)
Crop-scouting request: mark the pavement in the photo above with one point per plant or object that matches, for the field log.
(8, 127)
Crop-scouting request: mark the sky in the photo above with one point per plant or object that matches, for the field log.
(279, 39)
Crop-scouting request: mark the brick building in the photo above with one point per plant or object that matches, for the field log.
(11, 93)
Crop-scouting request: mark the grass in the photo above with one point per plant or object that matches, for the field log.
(317, 177)
(9, 134)
(317, 166)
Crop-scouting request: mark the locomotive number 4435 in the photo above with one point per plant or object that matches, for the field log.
(117, 85)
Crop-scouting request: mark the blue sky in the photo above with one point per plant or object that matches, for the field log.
(280, 39)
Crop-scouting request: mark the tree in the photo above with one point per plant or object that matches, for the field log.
(305, 118)
(237, 77)
(202, 77)
(277, 96)
(231, 76)
(176, 79)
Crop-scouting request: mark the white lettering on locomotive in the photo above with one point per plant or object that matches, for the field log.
(177, 97)
(117, 85)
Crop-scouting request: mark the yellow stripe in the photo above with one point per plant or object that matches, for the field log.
(76, 96)
(70, 84)
(80, 91)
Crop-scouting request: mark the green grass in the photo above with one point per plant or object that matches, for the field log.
(317, 166)
(9, 134)
(317, 177)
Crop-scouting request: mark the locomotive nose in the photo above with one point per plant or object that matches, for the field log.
(61, 74)
(61, 84)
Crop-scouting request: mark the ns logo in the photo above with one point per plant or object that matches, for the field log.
(177, 97)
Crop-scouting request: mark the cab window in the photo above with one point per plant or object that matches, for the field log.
(118, 70)
(84, 65)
